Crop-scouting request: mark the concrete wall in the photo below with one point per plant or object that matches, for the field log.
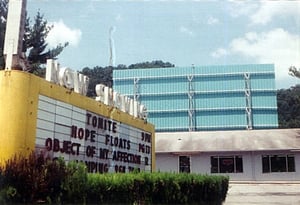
(252, 165)
(167, 163)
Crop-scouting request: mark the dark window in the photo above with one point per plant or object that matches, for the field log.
(291, 163)
(265, 163)
(184, 164)
(226, 164)
(239, 164)
(278, 163)
(214, 165)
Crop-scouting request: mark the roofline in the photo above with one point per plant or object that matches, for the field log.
(226, 151)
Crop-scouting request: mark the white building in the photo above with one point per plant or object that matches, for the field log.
(272, 154)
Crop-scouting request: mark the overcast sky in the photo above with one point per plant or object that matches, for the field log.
(180, 32)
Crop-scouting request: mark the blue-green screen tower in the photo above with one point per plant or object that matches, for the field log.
(198, 98)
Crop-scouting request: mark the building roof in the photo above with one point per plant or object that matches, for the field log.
(228, 141)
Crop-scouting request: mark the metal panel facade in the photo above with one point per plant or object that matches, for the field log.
(204, 97)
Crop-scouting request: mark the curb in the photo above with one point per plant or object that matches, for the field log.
(264, 182)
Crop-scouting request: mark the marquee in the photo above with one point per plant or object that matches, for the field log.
(43, 116)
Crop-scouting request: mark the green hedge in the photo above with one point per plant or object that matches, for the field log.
(156, 188)
(41, 179)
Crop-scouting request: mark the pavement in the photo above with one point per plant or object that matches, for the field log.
(263, 193)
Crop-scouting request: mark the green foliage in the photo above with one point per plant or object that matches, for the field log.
(75, 182)
(97, 75)
(35, 44)
(41, 179)
(288, 101)
(23, 175)
(156, 188)
(153, 64)
(103, 75)
(37, 178)
(54, 173)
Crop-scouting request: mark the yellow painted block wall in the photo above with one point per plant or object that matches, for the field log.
(19, 92)
(18, 114)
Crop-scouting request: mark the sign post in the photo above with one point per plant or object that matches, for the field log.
(14, 35)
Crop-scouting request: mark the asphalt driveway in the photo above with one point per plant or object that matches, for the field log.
(263, 193)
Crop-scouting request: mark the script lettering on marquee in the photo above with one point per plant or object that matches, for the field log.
(66, 77)
(110, 97)
(79, 83)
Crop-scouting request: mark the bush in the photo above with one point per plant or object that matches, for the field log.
(41, 179)
(37, 178)
(75, 182)
(156, 188)
(26, 177)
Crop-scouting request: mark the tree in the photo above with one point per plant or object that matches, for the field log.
(34, 42)
(98, 75)
(103, 75)
(288, 103)
(293, 71)
(147, 64)
(153, 64)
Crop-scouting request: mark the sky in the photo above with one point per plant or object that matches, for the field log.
(182, 32)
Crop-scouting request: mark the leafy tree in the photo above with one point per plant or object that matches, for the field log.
(153, 64)
(288, 103)
(147, 64)
(103, 75)
(121, 66)
(34, 42)
(293, 71)
(98, 75)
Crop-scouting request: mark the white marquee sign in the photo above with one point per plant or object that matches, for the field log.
(103, 144)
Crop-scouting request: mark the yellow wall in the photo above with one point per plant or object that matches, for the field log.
(19, 93)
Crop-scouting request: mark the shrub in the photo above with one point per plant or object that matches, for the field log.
(41, 179)
(25, 176)
(156, 188)
(75, 182)
(37, 178)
